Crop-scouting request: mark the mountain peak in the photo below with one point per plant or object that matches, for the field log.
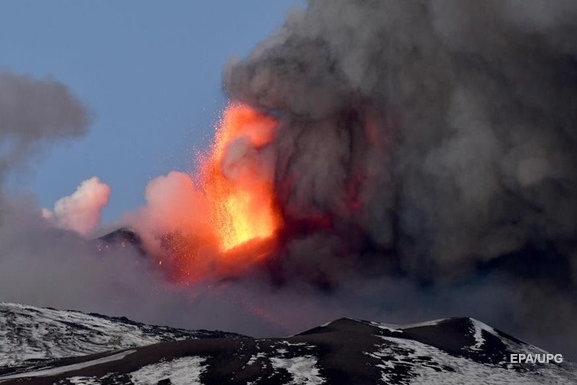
(345, 351)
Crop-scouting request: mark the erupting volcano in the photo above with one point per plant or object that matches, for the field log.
(417, 165)
(239, 190)
(235, 189)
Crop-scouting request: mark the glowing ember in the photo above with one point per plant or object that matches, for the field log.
(236, 181)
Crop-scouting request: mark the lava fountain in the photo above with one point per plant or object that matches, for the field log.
(234, 183)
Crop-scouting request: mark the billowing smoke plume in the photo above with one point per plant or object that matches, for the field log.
(32, 113)
(452, 123)
(44, 261)
(81, 211)
(432, 138)
(424, 166)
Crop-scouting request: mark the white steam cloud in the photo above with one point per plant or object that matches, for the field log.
(82, 210)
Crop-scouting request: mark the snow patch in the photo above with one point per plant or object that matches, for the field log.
(84, 380)
(422, 324)
(302, 369)
(431, 366)
(31, 333)
(180, 371)
(68, 368)
(399, 328)
(477, 329)
(254, 358)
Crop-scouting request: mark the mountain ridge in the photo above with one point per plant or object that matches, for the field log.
(66, 333)
(344, 351)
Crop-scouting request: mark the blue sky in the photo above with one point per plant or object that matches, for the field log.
(150, 72)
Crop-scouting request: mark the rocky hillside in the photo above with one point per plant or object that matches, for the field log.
(346, 351)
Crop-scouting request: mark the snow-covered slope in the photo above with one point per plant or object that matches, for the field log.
(460, 351)
(346, 351)
(32, 333)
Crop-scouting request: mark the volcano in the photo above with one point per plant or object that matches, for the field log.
(345, 351)
(381, 160)
(383, 138)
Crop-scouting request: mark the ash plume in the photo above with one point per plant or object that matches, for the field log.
(433, 139)
(46, 258)
(34, 112)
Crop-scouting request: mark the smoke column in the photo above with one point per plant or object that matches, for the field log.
(432, 139)
(33, 113)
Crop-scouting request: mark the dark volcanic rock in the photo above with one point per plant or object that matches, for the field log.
(346, 351)
(122, 237)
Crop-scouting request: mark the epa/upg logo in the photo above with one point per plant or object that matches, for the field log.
(537, 358)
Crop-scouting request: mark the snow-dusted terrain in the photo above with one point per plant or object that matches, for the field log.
(346, 351)
(32, 333)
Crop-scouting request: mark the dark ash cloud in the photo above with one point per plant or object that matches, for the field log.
(433, 139)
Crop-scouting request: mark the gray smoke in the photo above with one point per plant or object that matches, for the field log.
(34, 112)
(434, 138)
(44, 263)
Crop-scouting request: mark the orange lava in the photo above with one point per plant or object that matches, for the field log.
(224, 219)
(237, 180)
(240, 192)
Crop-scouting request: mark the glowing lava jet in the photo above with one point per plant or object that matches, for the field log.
(237, 178)
(240, 219)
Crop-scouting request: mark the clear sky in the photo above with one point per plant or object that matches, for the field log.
(149, 71)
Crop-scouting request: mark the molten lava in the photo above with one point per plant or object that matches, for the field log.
(237, 180)
(226, 219)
